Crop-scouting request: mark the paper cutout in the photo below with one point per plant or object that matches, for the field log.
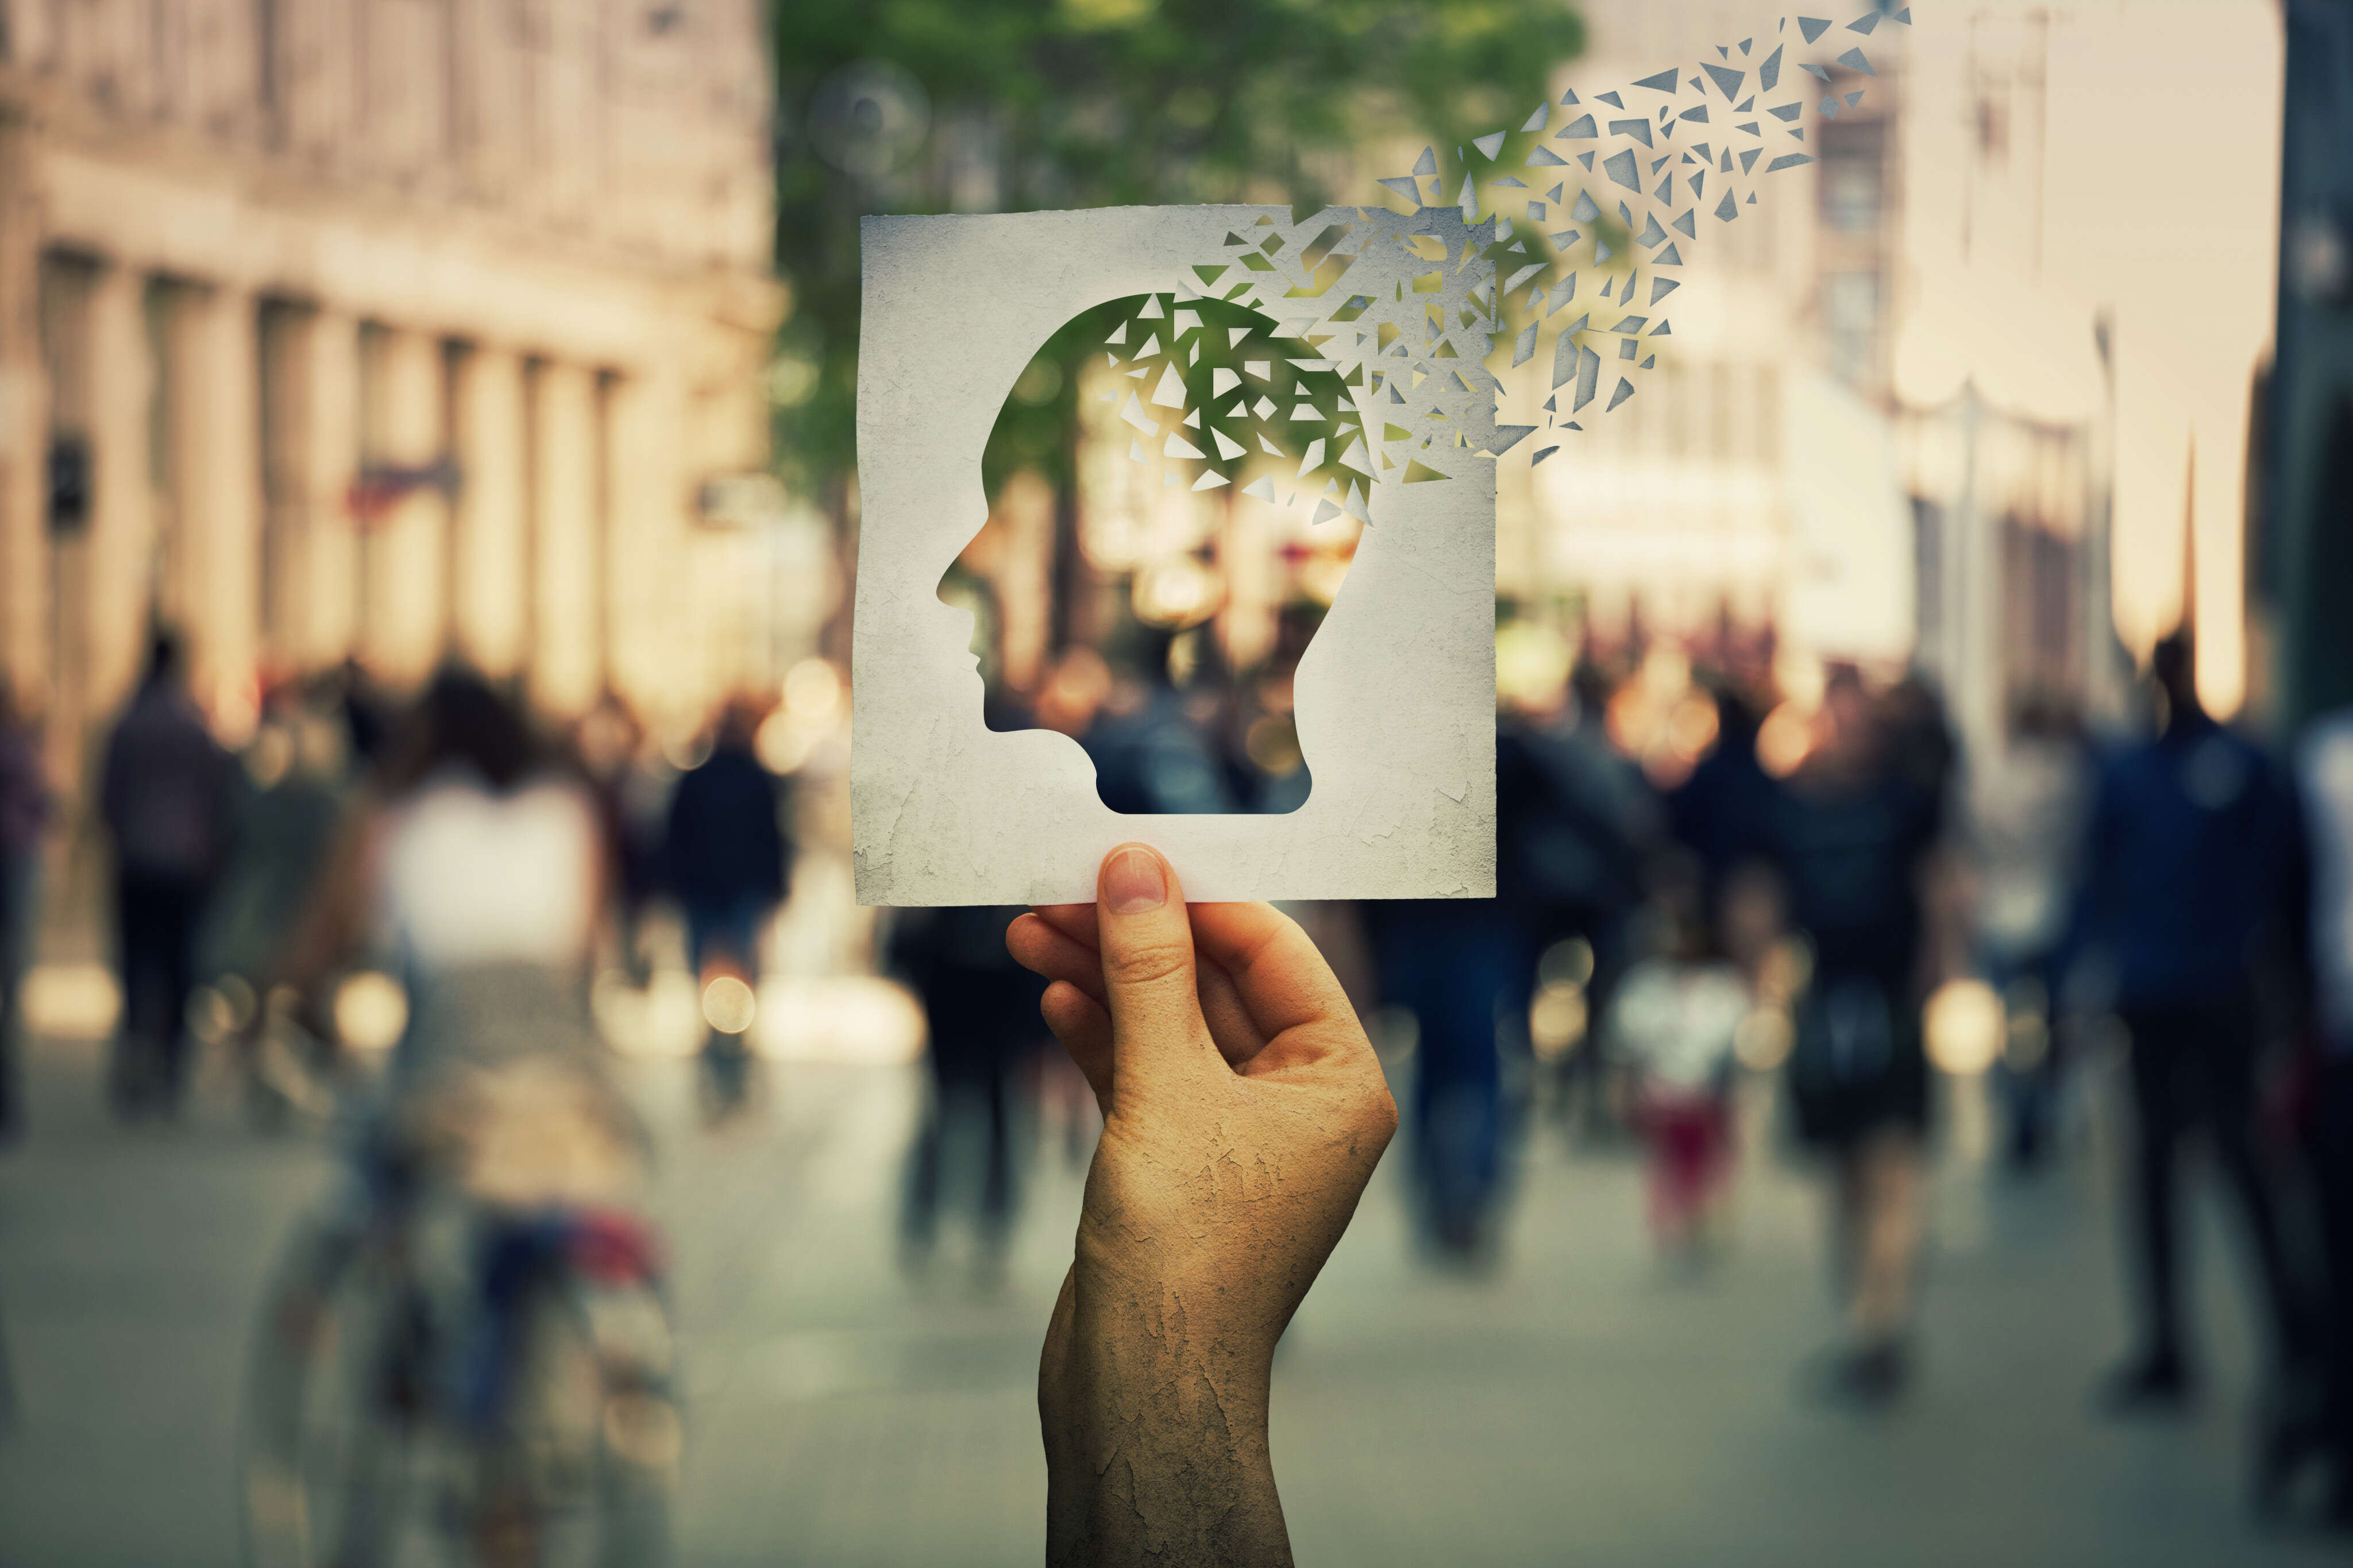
(944, 809)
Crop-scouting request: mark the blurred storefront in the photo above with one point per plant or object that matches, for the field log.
(387, 331)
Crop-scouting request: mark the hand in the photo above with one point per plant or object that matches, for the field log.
(1243, 1112)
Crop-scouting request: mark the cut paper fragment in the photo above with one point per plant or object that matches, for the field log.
(1538, 121)
(1170, 392)
(1768, 74)
(1788, 161)
(1228, 447)
(1427, 164)
(1853, 59)
(1178, 447)
(1727, 80)
(1489, 144)
(1262, 487)
(1625, 390)
(1865, 23)
(1222, 380)
(1210, 481)
(1812, 27)
(1585, 211)
(1662, 82)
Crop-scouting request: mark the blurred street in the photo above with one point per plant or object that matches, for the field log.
(1576, 1404)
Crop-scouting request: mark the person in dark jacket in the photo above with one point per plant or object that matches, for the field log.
(166, 795)
(981, 1010)
(2187, 863)
(728, 863)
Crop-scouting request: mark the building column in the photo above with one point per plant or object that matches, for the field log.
(566, 525)
(317, 444)
(655, 630)
(24, 423)
(491, 617)
(213, 401)
(122, 559)
(404, 624)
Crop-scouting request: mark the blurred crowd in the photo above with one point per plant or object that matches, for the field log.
(1718, 862)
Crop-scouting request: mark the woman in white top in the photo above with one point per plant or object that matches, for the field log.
(478, 868)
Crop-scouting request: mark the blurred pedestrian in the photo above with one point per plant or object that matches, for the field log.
(166, 795)
(2186, 861)
(2027, 811)
(729, 863)
(608, 744)
(1151, 757)
(282, 826)
(25, 805)
(1672, 1025)
(1577, 822)
(2324, 774)
(981, 1011)
(1466, 971)
(1855, 835)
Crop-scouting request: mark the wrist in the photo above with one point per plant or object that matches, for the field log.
(1155, 1436)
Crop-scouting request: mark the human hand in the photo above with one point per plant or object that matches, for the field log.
(1243, 1112)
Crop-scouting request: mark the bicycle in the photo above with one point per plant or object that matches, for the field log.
(474, 1371)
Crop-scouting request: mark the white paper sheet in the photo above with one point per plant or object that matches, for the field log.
(1394, 699)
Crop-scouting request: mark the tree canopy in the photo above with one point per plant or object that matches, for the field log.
(919, 106)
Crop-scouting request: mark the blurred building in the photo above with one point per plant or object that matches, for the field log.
(1967, 391)
(381, 328)
(1751, 486)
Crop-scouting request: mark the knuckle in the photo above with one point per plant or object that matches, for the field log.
(1146, 962)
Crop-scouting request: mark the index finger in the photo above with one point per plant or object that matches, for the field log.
(1277, 969)
(1077, 921)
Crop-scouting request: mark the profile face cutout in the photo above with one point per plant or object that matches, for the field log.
(1175, 490)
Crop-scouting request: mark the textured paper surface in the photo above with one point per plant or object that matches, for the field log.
(1394, 698)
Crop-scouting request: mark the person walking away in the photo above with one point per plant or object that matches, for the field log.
(2027, 810)
(1671, 1026)
(729, 865)
(2323, 781)
(2186, 861)
(166, 795)
(282, 828)
(980, 1008)
(25, 805)
(1855, 837)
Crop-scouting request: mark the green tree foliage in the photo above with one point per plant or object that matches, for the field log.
(916, 106)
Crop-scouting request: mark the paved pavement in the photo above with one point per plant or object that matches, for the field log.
(1577, 1405)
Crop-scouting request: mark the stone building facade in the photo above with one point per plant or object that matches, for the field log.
(393, 328)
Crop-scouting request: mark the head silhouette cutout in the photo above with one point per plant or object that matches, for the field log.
(1176, 489)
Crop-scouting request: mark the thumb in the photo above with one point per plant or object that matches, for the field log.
(1148, 966)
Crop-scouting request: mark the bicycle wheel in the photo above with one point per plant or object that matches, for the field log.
(583, 1465)
(332, 1408)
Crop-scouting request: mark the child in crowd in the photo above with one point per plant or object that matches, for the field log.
(1671, 1027)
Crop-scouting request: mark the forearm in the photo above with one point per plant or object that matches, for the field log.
(1155, 1440)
